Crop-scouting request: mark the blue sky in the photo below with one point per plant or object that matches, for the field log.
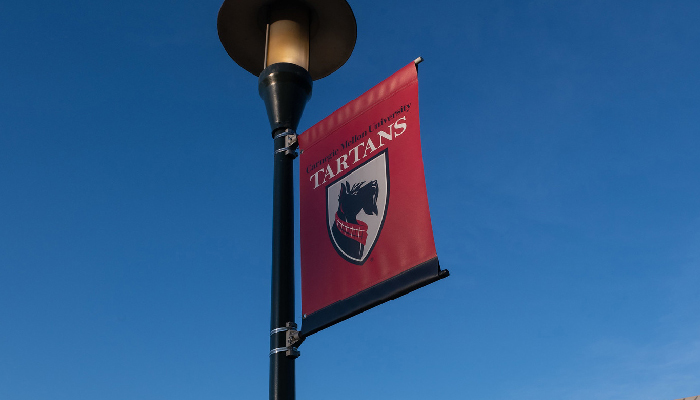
(561, 149)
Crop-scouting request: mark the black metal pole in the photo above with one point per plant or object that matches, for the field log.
(285, 89)
(282, 307)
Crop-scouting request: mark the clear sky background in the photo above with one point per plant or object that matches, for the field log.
(562, 155)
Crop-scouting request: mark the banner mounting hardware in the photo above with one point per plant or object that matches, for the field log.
(293, 340)
(290, 143)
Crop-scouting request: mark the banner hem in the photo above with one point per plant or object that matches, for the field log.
(390, 289)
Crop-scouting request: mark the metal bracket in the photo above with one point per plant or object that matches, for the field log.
(293, 340)
(290, 143)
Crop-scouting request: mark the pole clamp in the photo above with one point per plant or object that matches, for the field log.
(293, 340)
(290, 143)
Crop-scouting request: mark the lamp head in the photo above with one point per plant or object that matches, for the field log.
(318, 35)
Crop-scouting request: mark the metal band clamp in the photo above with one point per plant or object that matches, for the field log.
(291, 351)
(292, 340)
(290, 142)
(278, 330)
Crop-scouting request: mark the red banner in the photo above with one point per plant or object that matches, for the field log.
(366, 235)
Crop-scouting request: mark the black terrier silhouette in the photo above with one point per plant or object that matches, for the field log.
(349, 233)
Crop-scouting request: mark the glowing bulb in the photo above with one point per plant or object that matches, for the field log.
(288, 37)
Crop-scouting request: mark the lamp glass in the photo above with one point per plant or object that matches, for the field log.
(288, 38)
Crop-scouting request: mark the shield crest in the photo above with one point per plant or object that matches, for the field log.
(356, 206)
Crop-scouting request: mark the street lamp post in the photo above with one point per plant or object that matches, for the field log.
(287, 44)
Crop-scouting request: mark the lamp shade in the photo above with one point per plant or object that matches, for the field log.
(242, 26)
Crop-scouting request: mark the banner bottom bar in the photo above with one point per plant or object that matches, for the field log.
(390, 289)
